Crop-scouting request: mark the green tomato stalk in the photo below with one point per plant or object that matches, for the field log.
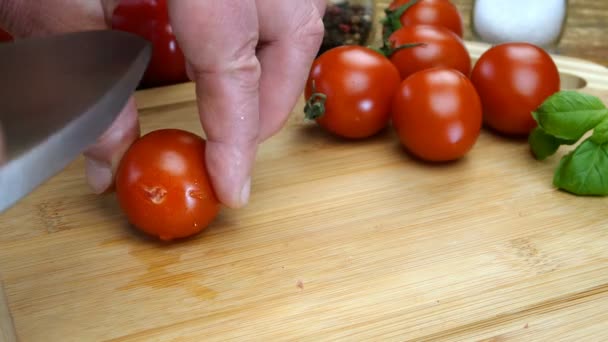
(315, 105)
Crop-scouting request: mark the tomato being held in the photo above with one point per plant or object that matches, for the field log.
(513, 80)
(437, 114)
(163, 186)
(429, 12)
(349, 91)
(440, 48)
(150, 20)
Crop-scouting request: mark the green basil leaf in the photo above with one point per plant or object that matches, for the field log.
(584, 171)
(569, 114)
(544, 145)
(600, 133)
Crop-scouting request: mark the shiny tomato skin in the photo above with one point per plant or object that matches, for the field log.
(163, 187)
(359, 84)
(513, 80)
(431, 12)
(5, 36)
(437, 114)
(150, 19)
(442, 48)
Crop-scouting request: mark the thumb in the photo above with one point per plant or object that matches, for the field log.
(103, 157)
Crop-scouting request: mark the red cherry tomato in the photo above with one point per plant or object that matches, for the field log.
(353, 89)
(431, 12)
(437, 114)
(514, 79)
(441, 48)
(5, 36)
(150, 20)
(163, 187)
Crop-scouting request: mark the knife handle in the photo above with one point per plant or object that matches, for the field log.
(7, 329)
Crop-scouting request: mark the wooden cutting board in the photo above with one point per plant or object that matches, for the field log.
(342, 240)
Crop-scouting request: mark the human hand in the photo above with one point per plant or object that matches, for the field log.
(248, 58)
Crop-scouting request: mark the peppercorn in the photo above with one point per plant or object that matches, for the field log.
(346, 24)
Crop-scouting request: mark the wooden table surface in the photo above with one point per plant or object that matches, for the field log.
(343, 241)
(586, 34)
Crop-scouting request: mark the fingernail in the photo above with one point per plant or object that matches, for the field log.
(245, 192)
(99, 175)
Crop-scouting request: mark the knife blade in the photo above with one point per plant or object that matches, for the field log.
(58, 95)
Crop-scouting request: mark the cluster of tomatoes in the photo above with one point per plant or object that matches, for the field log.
(423, 82)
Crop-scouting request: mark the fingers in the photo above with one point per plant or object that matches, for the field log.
(103, 157)
(219, 40)
(291, 32)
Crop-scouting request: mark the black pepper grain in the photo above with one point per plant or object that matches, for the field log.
(346, 24)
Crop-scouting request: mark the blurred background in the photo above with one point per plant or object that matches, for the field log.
(585, 33)
(580, 28)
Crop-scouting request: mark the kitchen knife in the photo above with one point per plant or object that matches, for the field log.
(58, 95)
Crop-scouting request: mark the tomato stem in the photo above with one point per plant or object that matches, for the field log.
(388, 51)
(392, 23)
(315, 105)
(392, 20)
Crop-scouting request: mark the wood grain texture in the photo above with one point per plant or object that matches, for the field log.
(7, 330)
(585, 35)
(342, 240)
